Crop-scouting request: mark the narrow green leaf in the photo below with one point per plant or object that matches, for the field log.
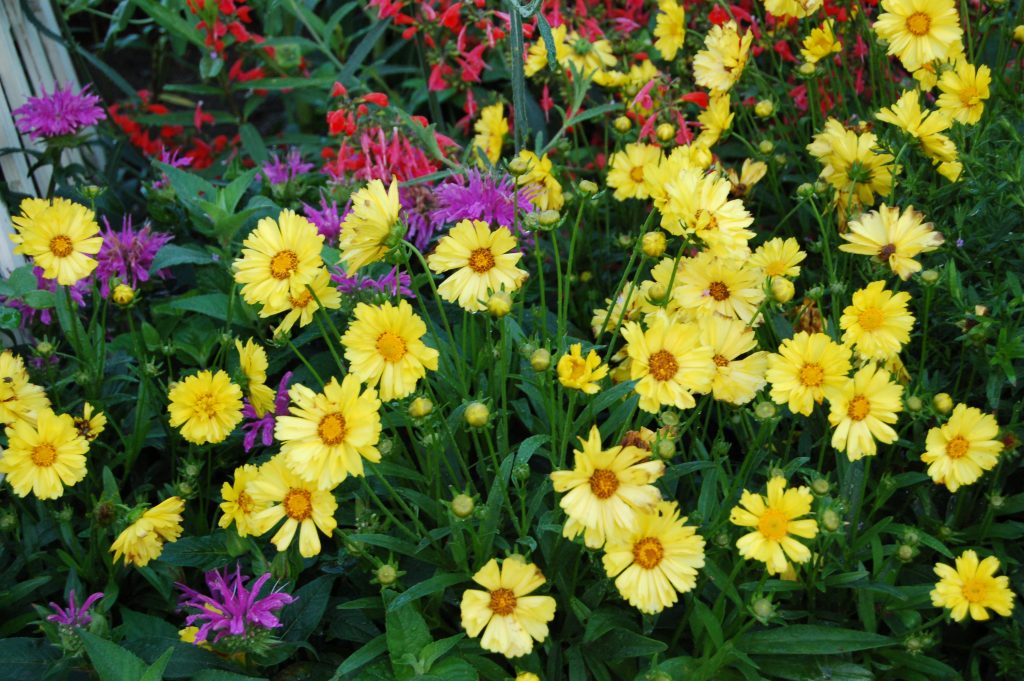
(810, 639)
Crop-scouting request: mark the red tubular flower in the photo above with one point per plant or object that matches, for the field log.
(784, 51)
(451, 19)
(338, 90)
(438, 77)
(698, 98)
(378, 98)
(200, 117)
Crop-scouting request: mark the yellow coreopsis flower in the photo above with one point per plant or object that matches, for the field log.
(919, 31)
(656, 559)
(894, 237)
(589, 57)
(491, 128)
(700, 204)
(862, 411)
(91, 424)
(238, 506)
(972, 588)
(303, 507)
(669, 28)
(20, 400)
(751, 172)
(777, 520)
(44, 458)
(59, 235)
(253, 360)
(371, 228)
(144, 540)
(779, 257)
(537, 55)
(606, 489)
(385, 348)
(720, 64)
(853, 162)
(327, 435)
(303, 305)
(964, 91)
(509, 617)
(669, 362)
(807, 369)
(736, 380)
(820, 43)
(715, 120)
(927, 127)
(482, 262)
(710, 285)
(796, 9)
(579, 372)
(206, 406)
(878, 323)
(630, 170)
(541, 179)
(963, 448)
(278, 259)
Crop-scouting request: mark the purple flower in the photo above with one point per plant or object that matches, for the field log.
(231, 609)
(418, 204)
(327, 220)
(127, 254)
(263, 427)
(394, 283)
(45, 316)
(74, 616)
(174, 159)
(476, 196)
(280, 172)
(60, 113)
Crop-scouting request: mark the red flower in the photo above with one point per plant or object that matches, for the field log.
(378, 98)
(200, 117)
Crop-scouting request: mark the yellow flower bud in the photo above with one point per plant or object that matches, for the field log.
(540, 360)
(943, 403)
(764, 108)
(623, 124)
(653, 244)
(665, 132)
(123, 294)
(462, 505)
(499, 304)
(1018, 34)
(477, 415)
(766, 147)
(420, 407)
(782, 290)
(588, 187)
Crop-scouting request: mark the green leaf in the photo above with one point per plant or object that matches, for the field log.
(40, 300)
(26, 659)
(451, 669)
(529, 446)
(810, 639)
(221, 675)
(171, 255)
(111, 661)
(435, 650)
(438, 582)
(210, 304)
(206, 552)
(21, 281)
(362, 657)
(362, 50)
(628, 643)
(549, 41)
(156, 670)
(171, 21)
(300, 619)
(407, 632)
(252, 142)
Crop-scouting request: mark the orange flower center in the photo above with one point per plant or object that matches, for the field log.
(958, 447)
(332, 429)
(503, 602)
(919, 23)
(297, 504)
(577, 368)
(637, 174)
(481, 260)
(648, 552)
(859, 408)
(205, 405)
(775, 269)
(44, 455)
(871, 319)
(391, 346)
(812, 375)
(283, 264)
(61, 246)
(969, 96)
(603, 483)
(773, 524)
(721, 361)
(705, 220)
(662, 365)
(302, 301)
(887, 251)
(245, 503)
(974, 590)
(718, 291)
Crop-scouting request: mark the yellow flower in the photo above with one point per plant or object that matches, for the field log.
(540, 179)
(606, 489)
(384, 346)
(950, 170)
(629, 170)
(877, 324)
(491, 128)
(972, 588)
(919, 31)
(278, 259)
(45, 458)
(144, 540)
(579, 372)
(720, 64)
(370, 227)
(779, 257)
(90, 425)
(606, 319)
(862, 411)
(964, 91)
(820, 43)
(238, 506)
(482, 262)
(253, 360)
(207, 406)
(669, 29)
(589, 58)
(655, 559)
(670, 363)
(710, 285)
(509, 617)
(926, 127)
(328, 434)
(750, 174)
(776, 519)
(854, 164)
(285, 496)
(736, 381)
(958, 452)
(654, 294)
(808, 368)
(537, 56)
(700, 204)
(892, 236)
(19, 399)
(303, 305)
(796, 9)
(59, 235)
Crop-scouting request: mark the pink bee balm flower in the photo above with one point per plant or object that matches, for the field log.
(231, 609)
(61, 112)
